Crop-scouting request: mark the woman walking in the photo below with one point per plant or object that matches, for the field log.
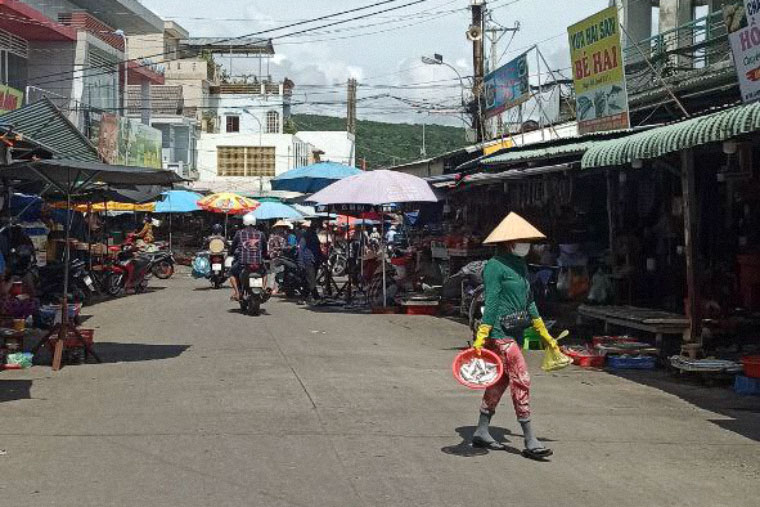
(509, 309)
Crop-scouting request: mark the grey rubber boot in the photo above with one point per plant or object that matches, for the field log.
(533, 448)
(482, 436)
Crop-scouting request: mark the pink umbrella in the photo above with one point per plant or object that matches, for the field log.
(376, 188)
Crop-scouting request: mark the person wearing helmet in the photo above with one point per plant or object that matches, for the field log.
(217, 230)
(248, 248)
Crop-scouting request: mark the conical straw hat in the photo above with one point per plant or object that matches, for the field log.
(513, 228)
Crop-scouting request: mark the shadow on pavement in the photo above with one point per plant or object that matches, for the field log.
(135, 352)
(465, 449)
(743, 412)
(11, 390)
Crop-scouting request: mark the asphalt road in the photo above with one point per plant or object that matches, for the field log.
(199, 405)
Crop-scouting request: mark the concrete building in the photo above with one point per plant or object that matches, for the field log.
(245, 146)
(676, 48)
(179, 132)
(72, 51)
(336, 146)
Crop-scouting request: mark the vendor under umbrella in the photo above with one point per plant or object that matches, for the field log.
(509, 308)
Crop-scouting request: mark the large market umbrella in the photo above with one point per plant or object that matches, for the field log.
(178, 201)
(228, 204)
(374, 189)
(71, 177)
(312, 178)
(100, 207)
(275, 211)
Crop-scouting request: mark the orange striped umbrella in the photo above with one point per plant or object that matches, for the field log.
(228, 204)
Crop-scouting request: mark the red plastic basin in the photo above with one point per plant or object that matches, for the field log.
(466, 356)
(751, 366)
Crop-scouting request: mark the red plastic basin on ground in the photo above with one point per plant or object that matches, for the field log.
(751, 366)
(584, 358)
(466, 356)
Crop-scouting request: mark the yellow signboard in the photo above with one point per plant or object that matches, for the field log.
(501, 145)
(10, 99)
(599, 73)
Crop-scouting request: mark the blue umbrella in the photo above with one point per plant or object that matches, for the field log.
(276, 211)
(313, 178)
(178, 201)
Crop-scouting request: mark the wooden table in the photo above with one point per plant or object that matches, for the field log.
(656, 322)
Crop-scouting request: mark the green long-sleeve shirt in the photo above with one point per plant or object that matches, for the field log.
(506, 288)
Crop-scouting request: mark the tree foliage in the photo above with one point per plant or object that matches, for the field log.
(386, 144)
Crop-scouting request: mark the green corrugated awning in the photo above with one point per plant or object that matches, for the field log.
(539, 153)
(43, 124)
(661, 141)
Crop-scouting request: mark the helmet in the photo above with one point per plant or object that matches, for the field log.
(217, 229)
(249, 220)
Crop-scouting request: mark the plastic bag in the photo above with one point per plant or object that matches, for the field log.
(201, 267)
(23, 359)
(554, 360)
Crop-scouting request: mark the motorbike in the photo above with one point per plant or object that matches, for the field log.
(219, 262)
(162, 263)
(253, 292)
(129, 271)
(51, 281)
(292, 278)
(338, 260)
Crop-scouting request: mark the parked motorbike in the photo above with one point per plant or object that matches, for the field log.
(162, 264)
(338, 260)
(292, 278)
(253, 292)
(51, 281)
(130, 271)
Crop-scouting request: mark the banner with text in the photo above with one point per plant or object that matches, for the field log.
(507, 87)
(744, 33)
(599, 73)
(10, 99)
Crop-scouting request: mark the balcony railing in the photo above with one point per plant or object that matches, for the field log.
(699, 45)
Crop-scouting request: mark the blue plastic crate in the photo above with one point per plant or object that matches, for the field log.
(631, 362)
(747, 386)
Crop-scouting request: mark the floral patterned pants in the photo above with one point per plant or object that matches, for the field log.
(515, 377)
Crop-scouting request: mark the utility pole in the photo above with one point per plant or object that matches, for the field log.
(475, 34)
(351, 112)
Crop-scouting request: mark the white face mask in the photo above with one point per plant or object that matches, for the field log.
(521, 249)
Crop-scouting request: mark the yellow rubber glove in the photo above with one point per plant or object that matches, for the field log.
(480, 338)
(540, 327)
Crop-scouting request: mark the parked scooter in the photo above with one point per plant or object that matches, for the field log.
(292, 279)
(51, 278)
(253, 291)
(131, 271)
(162, 262)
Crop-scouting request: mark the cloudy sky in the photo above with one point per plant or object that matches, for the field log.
(383, 51)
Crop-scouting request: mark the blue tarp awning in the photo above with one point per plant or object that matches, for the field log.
(312, 178)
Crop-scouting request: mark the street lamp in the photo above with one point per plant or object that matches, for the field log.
(438, 60)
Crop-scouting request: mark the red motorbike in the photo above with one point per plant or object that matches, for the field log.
(128, 270)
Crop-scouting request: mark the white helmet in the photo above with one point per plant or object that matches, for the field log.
(249, 220)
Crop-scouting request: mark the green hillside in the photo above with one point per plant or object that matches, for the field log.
(385, 144)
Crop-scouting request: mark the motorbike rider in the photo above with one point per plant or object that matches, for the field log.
(249, 247)
(217, 232)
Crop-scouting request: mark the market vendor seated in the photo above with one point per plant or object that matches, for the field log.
(145, 236)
